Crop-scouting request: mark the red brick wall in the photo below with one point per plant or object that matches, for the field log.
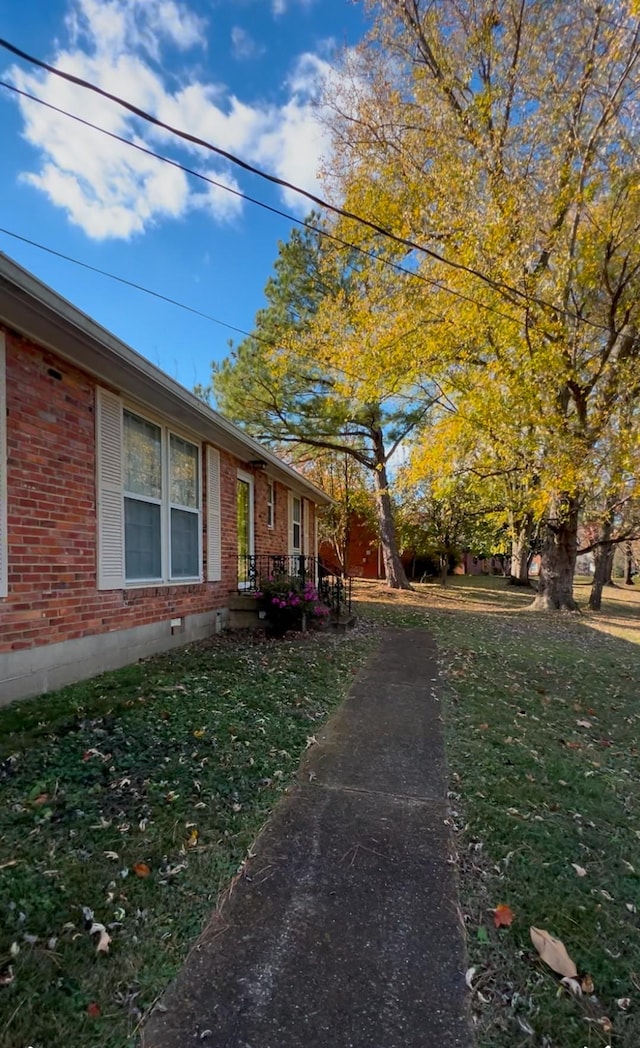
(52, 515)
(51, 473)
(363, 552)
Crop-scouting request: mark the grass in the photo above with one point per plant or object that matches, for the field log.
(542, 722)
(134, 797)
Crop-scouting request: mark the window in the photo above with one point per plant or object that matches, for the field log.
(296, 524)
(149, 515)
(271, 504)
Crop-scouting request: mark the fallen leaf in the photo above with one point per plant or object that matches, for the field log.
(553, 952)
(525, 1026)
(193, 839)
(573, 985)
(42, 798)
(141, 869)
(482, 727)
(573, 745)
(583, 723)
(93, 1010)
(469, 977)
(587, 984)
(580, 870)
(6, 977)
(503, 916)
(105, 938)
(199, 732)
(624, 1003)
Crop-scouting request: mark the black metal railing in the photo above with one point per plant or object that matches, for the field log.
(254, 567)
(333, 590)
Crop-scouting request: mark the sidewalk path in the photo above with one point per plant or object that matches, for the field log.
(345, 932)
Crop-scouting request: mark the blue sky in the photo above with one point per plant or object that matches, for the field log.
(239, 73)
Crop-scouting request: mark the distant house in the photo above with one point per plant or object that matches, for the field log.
(131, 513)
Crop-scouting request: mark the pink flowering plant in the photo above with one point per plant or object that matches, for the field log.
(290, 602)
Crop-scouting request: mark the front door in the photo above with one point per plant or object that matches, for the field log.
(244, 508)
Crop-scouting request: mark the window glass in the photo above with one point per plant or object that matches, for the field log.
(143, 550)
(185, 553)
(271, 504)
(184, 472)
(296, 514)
(142, 457)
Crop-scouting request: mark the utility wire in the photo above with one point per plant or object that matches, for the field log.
(496, 285)
(270, 343)
(131, 283)
(259, 203)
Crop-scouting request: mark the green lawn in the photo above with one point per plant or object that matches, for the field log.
(136, 796)
(542, 719)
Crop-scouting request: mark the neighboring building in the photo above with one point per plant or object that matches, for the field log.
(363, 553)
(130, 511)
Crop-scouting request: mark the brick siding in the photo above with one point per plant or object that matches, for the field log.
(51, 472)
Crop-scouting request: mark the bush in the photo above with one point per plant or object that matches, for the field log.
(290, 602)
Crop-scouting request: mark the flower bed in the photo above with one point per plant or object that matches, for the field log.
(290, 603)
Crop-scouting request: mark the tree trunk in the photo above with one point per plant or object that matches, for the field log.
(558, 561)
(628, 564)
(521, 532)
(444, 568)
(608, 568)
(603, 559)
(393, 567)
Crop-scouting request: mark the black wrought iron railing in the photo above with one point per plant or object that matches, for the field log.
(255, 567)
(333, 590)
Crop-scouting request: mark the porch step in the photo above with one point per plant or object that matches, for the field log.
(243, 612)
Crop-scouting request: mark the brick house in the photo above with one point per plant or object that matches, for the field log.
(131, 513)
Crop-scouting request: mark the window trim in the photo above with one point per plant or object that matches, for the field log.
(271, 504)
(296, 550)
(164, 502)
(166, 431)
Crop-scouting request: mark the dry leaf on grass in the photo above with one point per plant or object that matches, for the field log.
(573, 985)
(104, 937)
(469, 977)
(141, 869)
(553, 952)
(580, 870)
(503, 916)
(93, 1010)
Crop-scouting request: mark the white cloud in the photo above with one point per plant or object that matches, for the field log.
(110, 190)
(243, 44)
(280, 7)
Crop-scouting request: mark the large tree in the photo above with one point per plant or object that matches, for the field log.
(498, 139)
(300, 381)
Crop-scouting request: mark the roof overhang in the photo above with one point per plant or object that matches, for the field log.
(37, 312)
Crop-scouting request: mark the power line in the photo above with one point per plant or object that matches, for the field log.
(131, 283)
(259, 203)
(496, 285)
(270, 343)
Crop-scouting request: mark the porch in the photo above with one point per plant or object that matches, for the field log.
(333, 590)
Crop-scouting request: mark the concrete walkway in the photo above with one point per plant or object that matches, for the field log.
(345, 931)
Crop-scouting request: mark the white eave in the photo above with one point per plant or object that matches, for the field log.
(34, 310)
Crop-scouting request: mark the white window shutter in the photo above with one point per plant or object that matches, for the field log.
(214, 542)
(4, 538)
(109, 449)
